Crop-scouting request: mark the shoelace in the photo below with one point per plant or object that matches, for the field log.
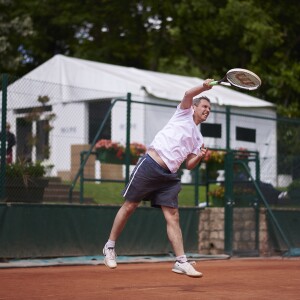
(110, 253)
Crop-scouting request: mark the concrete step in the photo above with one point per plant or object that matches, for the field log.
(49, 192)
(64, 199)
(58, 192)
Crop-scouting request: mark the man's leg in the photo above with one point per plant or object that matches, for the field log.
(181, 266)
(119, 223)
(173, 229)
(121, 219)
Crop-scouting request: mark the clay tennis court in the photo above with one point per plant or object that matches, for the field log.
(252, 278)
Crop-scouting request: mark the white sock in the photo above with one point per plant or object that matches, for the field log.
(181, 258)
(110, 244)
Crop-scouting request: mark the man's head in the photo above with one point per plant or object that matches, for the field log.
(196, 101)
(7, 126)
(202, 108)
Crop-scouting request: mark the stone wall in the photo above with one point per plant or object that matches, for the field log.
(265, 247)
(211, 231)
(212, 235)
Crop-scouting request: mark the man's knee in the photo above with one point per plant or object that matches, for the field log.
(129, 207)
(171, 214)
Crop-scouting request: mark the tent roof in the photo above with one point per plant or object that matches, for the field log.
(108, 80)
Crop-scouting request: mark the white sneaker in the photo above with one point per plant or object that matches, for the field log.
(186, 268)
(110, 257)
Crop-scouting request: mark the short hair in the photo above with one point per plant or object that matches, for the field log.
(196, 101)
(7, 125)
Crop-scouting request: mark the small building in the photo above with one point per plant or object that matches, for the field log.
(80, 93)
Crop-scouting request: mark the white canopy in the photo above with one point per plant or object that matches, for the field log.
(72, 79)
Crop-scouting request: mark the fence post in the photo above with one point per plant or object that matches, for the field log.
(3, 137)
(196, 186)
(228, 209)
(227, 127)
(128, 123)
(81, 177)
(228, 219)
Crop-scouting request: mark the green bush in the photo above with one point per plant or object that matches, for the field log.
(25, 169)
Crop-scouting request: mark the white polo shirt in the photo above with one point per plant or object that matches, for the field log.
(179, 138)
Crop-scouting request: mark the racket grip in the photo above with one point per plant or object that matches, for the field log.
(214, 83)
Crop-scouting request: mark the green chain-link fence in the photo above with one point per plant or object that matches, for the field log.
(54, 123)
(253, 155)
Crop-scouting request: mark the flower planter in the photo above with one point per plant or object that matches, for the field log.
(109, 157)
(111, 171)
(18, 191)
(115, 153)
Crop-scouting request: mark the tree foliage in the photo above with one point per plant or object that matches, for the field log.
(15, 26)
(201, 38)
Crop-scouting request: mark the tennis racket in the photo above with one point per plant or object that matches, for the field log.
(240, 78)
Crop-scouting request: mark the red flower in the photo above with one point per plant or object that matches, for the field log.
(118, 150)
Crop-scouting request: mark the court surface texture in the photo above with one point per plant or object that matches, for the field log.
(232, 278)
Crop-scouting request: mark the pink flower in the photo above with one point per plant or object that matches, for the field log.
(117, 149)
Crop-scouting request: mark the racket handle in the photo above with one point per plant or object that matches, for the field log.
(214, 83)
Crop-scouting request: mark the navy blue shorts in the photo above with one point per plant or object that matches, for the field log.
(151, 182)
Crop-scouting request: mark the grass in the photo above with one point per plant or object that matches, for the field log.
(109, 193)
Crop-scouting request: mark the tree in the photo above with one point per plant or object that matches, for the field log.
(280, 65)
(202, 38)
(14, 26)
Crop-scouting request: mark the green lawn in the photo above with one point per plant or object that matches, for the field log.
(110, 193)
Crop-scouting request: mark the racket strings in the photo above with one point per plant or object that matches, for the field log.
(244, 79)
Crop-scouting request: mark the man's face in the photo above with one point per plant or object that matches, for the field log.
(201, 111)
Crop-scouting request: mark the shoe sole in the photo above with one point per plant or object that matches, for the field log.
(183, 273)
(109, 266)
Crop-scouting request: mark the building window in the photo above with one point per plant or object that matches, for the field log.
(97, 112)
(245, 134)
(24, 139)
(211, 130)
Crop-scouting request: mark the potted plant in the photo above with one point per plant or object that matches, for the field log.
(114, 152)
(110, 152)
(25, 182)
(212, 162)
(136, 151)
(243, 196)
(217, 196)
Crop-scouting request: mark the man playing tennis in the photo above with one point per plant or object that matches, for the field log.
(154, 178)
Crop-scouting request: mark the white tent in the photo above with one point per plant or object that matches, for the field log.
(71, 83)
(107, 80)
